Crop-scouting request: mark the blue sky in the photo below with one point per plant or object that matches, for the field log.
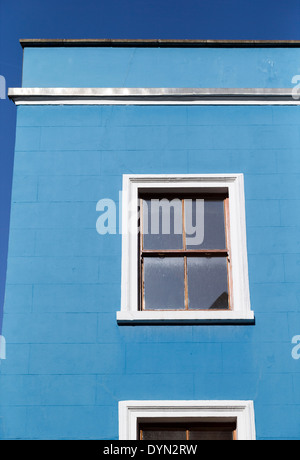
(163, 19)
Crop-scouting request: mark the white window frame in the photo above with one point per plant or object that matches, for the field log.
(133, 412)
(132, 186)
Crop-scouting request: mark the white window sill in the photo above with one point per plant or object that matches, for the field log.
(184, 317)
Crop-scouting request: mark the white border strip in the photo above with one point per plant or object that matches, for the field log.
(130, 412)
(153, 96)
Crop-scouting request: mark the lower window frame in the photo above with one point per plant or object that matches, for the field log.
(131, 413)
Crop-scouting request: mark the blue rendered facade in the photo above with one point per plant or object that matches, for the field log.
(68, 363)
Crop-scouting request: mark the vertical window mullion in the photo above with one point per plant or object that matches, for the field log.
(186, 296)
(227, 235)
(142, 285)
(183, 226)
(141, 260)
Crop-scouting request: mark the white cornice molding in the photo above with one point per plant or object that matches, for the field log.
(156, 43)
(154, 96)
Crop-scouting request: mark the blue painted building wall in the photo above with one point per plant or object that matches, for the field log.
(68, 362)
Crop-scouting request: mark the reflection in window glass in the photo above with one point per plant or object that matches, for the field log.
(164, 283)
(214, 224)
(184, 253)
(202, 431)
(207, 283)
(164, 435)
(216, 435)
(162, 224)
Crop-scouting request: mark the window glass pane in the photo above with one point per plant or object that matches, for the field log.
(167, 435)
(209, 234)
(207, 283)
(164, 283)
(183, 431)
(162, 223)
(215, 435)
